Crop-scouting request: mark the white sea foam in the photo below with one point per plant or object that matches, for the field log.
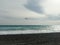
(27, 32)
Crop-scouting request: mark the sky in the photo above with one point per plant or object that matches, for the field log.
(27, 12)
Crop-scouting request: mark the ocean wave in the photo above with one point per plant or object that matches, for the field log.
(28, 29)
(27, 32)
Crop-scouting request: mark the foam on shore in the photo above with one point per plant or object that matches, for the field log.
(27, 32)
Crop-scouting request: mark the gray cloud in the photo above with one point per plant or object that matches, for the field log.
(52, 17)
(15, 12)
(34, 6)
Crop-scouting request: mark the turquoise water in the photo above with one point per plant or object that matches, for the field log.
(25, 27)
(28, 29)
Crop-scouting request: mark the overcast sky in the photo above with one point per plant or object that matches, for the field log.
(29, 12)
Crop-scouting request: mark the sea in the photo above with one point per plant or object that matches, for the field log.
(28, 29)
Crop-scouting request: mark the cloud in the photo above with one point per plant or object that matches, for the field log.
(53, 18)
(51, 7)
(15, 8)
(16, 12)
(33, 5)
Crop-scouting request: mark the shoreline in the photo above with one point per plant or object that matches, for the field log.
(14, 32)
(31, 39)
